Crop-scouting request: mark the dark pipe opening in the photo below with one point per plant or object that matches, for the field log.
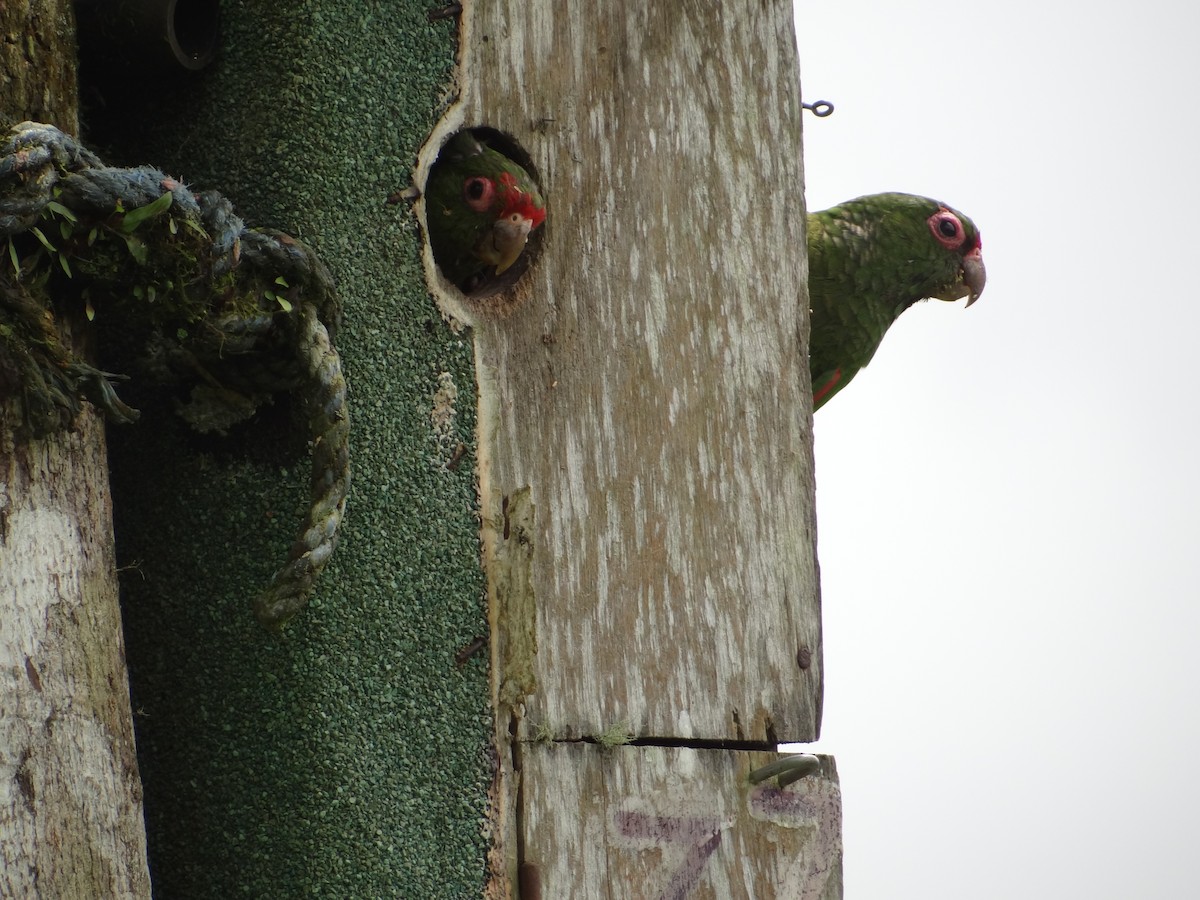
(142, 35)
(192, 31)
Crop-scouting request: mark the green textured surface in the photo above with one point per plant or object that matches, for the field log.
(351, 757)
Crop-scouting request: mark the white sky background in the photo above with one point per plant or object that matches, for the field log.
(1008, 497)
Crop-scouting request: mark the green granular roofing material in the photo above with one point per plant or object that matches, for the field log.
(349, 758)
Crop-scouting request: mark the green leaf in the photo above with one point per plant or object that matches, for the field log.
(137, 248)
(66, 266)
(62, 211)
(16, 260)
(37, 233)
(88, 309)
(281, 281)
(91, 239)
(284, 303)
(136, 217)
(64, 228)
(172, 225)
(196, 227)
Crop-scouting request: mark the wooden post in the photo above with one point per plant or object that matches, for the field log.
(646, 454)
(70, 796)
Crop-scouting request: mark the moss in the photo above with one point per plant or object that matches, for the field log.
(615, 735)
(351, 757)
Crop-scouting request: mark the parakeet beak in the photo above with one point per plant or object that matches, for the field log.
(974, 274)
(505, 242)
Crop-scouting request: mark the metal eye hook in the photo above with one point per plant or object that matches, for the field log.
(820, 109)
(787, 769)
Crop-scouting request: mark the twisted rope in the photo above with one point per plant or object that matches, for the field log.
(246, 313)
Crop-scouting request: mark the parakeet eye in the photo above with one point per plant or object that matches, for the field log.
(947, 229)
(479, 193)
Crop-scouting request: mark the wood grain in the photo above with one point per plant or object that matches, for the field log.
(70, 796)
(651, 389)
(645, 453)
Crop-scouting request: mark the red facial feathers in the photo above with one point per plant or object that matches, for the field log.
(480, 194)
(517, 201)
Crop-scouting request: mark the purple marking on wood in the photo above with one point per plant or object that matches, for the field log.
(813, 801)
(664, 829)
(703, 836)
(688, 873)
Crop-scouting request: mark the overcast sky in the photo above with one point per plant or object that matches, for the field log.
(1008, 496)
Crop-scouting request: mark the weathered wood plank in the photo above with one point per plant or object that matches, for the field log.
(652, 393)
(654, 822)
(645, 449)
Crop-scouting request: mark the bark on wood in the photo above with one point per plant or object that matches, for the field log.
(70, 798)
(37, 63)
(645, 447)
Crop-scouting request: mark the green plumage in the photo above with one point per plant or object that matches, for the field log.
(869, 260)
(467, 217)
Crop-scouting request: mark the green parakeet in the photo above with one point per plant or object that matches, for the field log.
(480, 207)
(869, 260)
